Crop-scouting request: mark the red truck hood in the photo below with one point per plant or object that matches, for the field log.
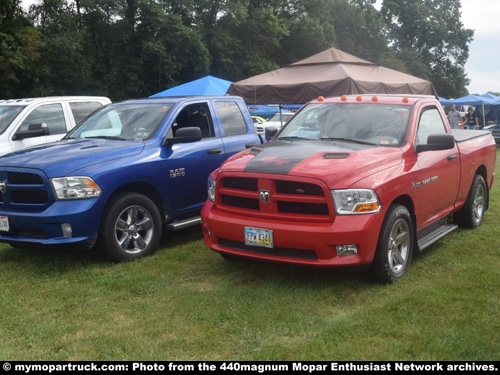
(339, 164)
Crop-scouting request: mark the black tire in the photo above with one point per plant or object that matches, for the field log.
(471, 215)
(131, 227)
(395, 246)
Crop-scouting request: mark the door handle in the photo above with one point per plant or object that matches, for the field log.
(214, 151)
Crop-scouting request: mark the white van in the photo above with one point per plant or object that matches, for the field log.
(33, 121)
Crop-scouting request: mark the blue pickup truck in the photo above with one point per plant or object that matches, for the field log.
(118, 179)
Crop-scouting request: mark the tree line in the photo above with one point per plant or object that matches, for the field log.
(135, 48)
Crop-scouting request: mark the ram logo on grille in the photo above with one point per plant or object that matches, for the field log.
(3, 187)
(264, 195)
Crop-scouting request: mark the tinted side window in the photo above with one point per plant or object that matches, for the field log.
(50, 114)
(430, 123)
(232, 119)
(83, 109)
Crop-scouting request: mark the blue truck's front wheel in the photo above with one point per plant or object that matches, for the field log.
(130, 228)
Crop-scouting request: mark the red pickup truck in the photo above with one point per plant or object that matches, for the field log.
(360, 180)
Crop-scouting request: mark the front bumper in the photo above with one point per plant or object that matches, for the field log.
(62, 223)
(306, 243)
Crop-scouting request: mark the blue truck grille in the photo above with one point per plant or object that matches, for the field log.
(31, 189)
(289, 197)
(24, 178)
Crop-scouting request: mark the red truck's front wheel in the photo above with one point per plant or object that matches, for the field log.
(395, 246)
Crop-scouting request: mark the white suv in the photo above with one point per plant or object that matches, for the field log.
(33, 121)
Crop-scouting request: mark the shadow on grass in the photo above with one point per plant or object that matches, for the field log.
(45, 257)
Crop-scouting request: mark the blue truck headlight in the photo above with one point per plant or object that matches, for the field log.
(77, 187)
(356, 201)
(211, 188)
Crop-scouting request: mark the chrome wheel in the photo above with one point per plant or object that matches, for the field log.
(471, 215)
(395, 246)
(134, 229)
(130, 228)
(478, 205)
(399, 246)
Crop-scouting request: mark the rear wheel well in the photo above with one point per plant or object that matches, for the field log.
(481, 170)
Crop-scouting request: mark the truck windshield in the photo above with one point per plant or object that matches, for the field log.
(380, 124)
(7, 114)
(123, 121)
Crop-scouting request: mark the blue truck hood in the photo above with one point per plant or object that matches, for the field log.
(66, 156)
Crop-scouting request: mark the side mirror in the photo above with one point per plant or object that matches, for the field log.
(436, 142)
(184, 135)
(270, 132)
(34, 130)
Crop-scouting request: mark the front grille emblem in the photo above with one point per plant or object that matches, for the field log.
(3, 187)
(265, 196)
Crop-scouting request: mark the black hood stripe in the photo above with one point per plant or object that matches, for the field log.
(281, 157)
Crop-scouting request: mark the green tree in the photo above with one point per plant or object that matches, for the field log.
(20, 45)
(353, 26)
(430, 39)
(243, 36)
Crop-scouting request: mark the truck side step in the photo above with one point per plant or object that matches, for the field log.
(431, 235)
(181, 224)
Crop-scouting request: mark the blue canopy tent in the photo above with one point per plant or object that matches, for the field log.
(204, 86)
(263, 110)
(487, 106)
(267, 111)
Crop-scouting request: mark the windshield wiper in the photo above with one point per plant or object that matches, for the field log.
(294, 138)
(348, 140)
(105, 137)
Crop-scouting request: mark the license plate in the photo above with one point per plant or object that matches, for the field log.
(4, 223)
(259, 237)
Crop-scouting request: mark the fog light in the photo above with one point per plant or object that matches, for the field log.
(343, 250)
(66, 229)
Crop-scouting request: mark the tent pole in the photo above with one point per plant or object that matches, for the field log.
(484, 117)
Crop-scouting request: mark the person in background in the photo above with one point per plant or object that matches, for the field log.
(471, 121)
(453, 117)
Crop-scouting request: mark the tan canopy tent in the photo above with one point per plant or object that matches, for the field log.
(328, 73)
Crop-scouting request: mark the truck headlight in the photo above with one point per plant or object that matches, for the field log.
(355, 201)
(77, 187)
(211, 188)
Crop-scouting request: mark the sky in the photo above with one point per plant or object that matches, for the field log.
(483, 65)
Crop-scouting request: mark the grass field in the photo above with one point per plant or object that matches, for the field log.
(187, 303)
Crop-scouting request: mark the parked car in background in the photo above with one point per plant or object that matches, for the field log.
(495, 131)
(258, 120)
(277, 121)
(33, 121)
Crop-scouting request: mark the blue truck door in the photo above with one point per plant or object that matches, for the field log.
(190, 164)
(236, 132)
